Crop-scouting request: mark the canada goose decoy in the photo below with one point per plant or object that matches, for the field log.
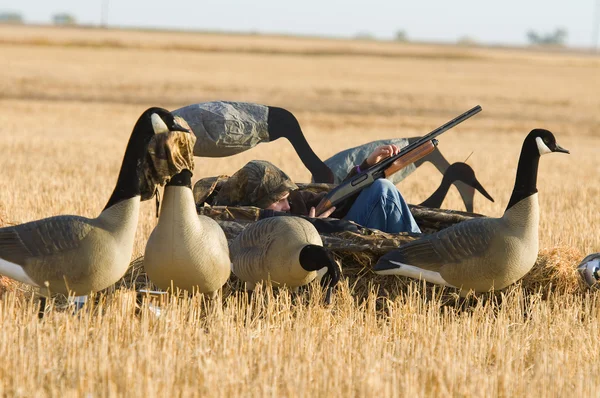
(225, 128)
(72, 254)
(286, 250)
(589, 270)
(343, 161)
(185, 250)
(456, 172)
(482, 253)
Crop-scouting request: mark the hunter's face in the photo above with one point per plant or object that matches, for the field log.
(282, 204)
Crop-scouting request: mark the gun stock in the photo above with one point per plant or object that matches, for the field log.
(411, 157)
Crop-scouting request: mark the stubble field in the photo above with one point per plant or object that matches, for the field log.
(69, 99)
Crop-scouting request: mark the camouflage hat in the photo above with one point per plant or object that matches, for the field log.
(167, 154)
(259, 183)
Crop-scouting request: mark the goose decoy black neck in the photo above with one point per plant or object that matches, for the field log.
(313, 258)
(182, 179)
(538, 142)
(282, 123)
(456, 172)
(152, 121)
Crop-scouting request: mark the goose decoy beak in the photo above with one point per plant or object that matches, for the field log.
(560, 149)
(178, 127)
(331, 278)
(481, 190)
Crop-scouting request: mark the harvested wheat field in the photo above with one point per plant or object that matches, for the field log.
(69, 99)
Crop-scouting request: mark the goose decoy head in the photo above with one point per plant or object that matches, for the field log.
(163, 121)
(313, 258)
(463, 172)
(589, 270)
(545, 142)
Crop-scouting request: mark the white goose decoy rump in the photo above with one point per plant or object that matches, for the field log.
(185, 250)
(72, 254)
(482, 253)
(285, 250)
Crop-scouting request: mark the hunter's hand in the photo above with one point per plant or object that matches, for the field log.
(382, 152)
(325, 214)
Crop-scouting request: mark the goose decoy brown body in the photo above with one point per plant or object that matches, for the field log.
(186, 251)
(286, 250)
(482, 253)
(78, 255)
(456, 172)
(225, 128)
(343, 161)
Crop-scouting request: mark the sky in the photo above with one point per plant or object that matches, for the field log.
(488, 22)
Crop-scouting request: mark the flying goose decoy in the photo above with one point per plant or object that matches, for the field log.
(185, 250)
(286, 250)
(77, 255)
(482, 253)
(225, 128)
(343, 161)
(456, 172)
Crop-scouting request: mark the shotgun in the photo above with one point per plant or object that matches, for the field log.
(388, 166)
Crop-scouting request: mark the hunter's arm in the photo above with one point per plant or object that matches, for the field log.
(355, 170)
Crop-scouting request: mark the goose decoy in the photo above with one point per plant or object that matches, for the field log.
(77, 255)
(343, 161)
(185, 250)
(589, 270)
(456, 172)
(225, 128)
(482, 253)
(286, 250)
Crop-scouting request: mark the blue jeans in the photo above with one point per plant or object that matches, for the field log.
(382, 207)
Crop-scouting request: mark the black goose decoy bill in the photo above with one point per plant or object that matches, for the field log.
(482, 253)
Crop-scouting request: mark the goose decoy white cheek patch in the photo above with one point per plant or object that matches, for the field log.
(158, 125)
(542, 147)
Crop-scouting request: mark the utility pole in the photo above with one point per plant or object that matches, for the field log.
(104, 14)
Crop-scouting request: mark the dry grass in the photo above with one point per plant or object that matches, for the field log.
(67, 109)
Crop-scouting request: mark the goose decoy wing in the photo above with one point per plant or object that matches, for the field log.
(250, 248)
(21, 244)
(467, 240)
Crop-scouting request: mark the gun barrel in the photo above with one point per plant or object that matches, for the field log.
(384, 164)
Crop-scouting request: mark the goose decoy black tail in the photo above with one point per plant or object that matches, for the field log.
(313, 258)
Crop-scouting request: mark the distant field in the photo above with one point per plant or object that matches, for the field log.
(69, 99)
